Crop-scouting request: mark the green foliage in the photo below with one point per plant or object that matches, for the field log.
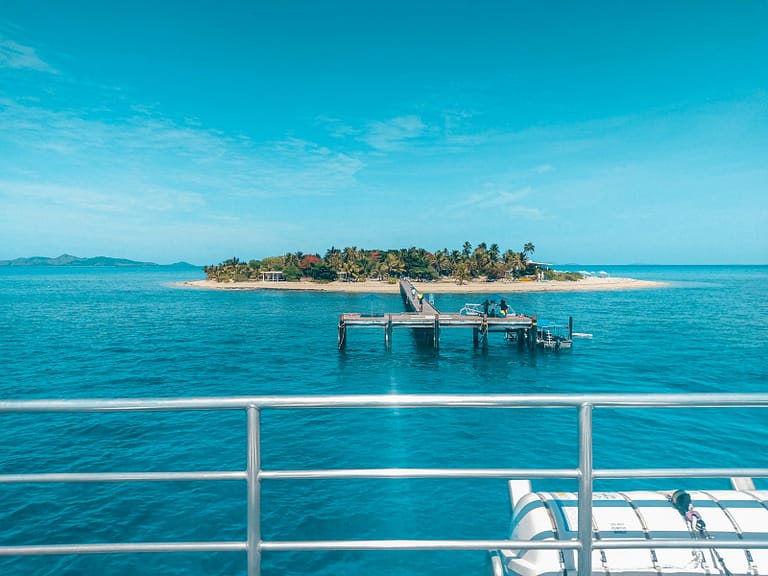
(461, 273)
(562, 276)
(426, 273)
(358, 264)
(323, 272)
(292, 273)
(273, 263)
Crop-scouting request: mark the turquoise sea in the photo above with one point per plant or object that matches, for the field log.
(119, 332)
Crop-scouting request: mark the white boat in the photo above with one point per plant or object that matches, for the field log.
(471, 309)
(553, 337)
(708, 519)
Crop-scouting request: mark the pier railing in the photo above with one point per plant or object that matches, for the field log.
(254, 546)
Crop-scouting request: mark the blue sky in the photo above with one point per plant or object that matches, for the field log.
(603, 132)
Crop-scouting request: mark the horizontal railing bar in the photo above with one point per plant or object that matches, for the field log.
(505, 544)
(321, 545)
(120, 476)
(678, 543)
(681, 473)
(391, 401)
(507, 474)
(328, 545)
(121, 548)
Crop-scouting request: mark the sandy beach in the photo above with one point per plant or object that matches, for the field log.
(592, 284)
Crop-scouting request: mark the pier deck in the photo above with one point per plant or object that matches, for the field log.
(424, 320)
(425, 316)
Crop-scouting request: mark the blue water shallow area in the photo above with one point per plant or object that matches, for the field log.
(116, 333)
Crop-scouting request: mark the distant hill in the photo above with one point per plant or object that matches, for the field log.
(69, 260)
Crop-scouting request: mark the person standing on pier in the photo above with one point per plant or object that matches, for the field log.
(420, 297)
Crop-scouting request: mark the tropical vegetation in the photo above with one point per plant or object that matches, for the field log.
(357, 264)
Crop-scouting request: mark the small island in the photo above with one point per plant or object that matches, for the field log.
(482, 268)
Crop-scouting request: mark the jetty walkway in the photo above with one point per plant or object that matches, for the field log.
(425, 318)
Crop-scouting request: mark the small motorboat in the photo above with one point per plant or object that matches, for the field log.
(470, 309)
(553, 337)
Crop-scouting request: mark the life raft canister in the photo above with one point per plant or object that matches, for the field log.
(641, 515)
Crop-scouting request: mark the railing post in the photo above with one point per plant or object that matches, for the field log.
(585, 489)
(254, 492)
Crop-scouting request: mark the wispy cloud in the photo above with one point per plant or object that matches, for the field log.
(104, 200)
(394, 133)
(71, 181)
(17, 56)
(143, 152)
(495, 201)
(444, 131)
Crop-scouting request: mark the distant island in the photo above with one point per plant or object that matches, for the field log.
(69, 260)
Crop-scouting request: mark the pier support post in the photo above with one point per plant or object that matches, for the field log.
(533, 334)
(342, 335)
(475, 339)
(484, 331)
(570, 327)
(388, 333)
(436, 334)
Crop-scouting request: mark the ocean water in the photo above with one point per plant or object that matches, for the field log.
(108, 333)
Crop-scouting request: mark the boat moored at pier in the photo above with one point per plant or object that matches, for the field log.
(555, 337)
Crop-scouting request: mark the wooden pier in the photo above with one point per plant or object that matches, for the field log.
(424, 317)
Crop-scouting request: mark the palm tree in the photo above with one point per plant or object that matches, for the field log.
(466, 249)
(479, 261)
(493, 253)
(350, 254)
(381, 270)
(292, 259)
(496, 270)
(365, 263)
(442, 262)
(513, 261)
(212, 272)
(529, 248)
(351, 269)
(461, 273)
(333, 258)
(395, 265)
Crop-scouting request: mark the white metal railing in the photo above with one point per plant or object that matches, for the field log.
(254, 546)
